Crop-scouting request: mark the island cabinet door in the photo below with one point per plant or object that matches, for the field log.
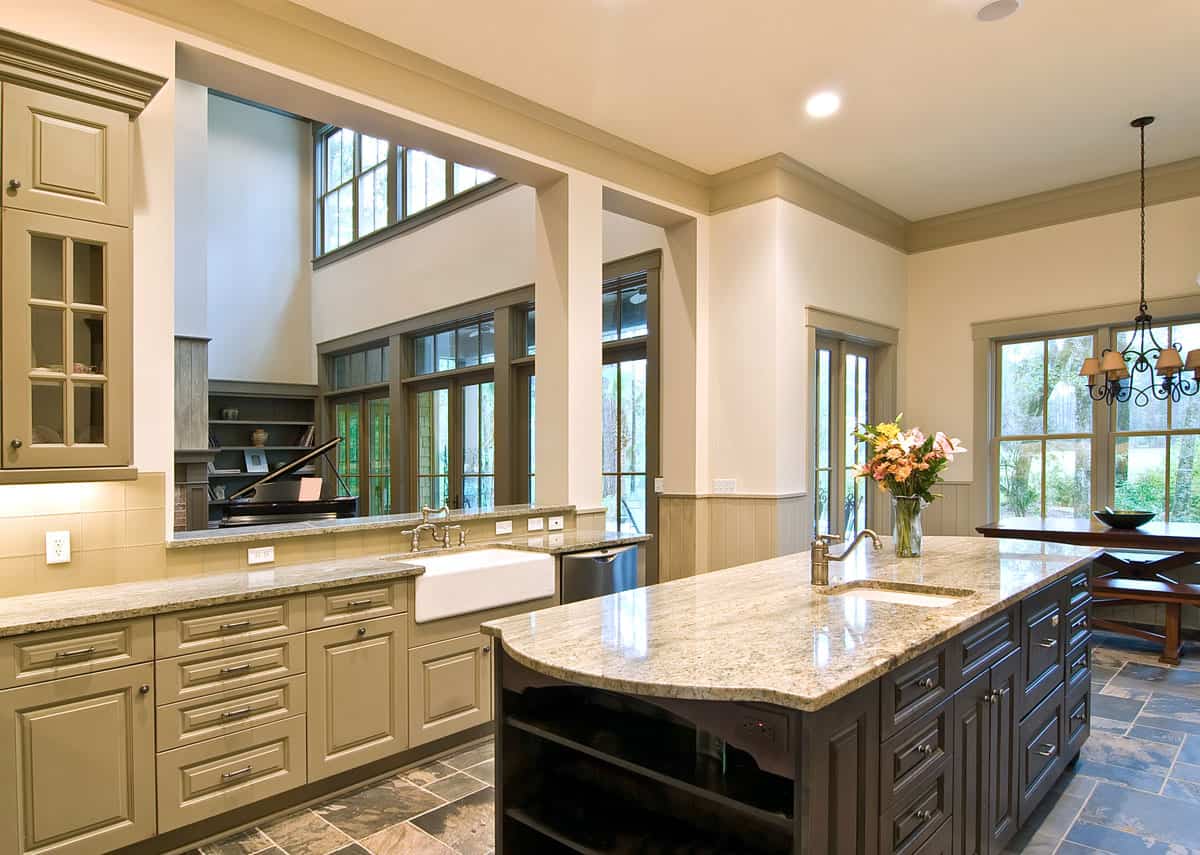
(973, 737)
(77, 763)
(1004, 752)
(357, 694)
(839, 808)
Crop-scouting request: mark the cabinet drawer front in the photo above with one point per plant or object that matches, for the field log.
(361, 602)
(199, 674)
(77, 763)
(908, 758)
(1078, 724)
(451, 687)
(202, 780)
(1077, 591)
(70, 159)
(942, 842)
(1079, 626)
(187, 722)
(1041, 754)
(1079, 667)
(80, 650)
(987, 643)
(905, 825)
(223, 626)
(1042, 635)
(916, 688)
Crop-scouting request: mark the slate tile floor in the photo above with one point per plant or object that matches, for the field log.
(1136, 788)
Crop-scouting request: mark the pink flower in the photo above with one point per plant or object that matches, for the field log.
(947, 445)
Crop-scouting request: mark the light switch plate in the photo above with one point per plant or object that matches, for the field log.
(260, 555)
(724, 485)
(535, 523)
(504, 527)
(658, 485)
(58, 547)
(556, 524)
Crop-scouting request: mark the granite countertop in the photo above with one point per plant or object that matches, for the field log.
(762, 632)
(80, 606)
(282, 531)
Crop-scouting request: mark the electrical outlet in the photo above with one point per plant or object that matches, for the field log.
(58, 547)
(556, 524)
(555, 540)
(535, 524)
(260, 555)
(724, 485)
(504, 527)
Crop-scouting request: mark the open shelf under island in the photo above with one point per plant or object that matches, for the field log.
(746, 711)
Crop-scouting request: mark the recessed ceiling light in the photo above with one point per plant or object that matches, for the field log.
(998, 9)
(823, 104)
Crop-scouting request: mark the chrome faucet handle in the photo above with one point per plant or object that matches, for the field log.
(828, 538)
(427, 512)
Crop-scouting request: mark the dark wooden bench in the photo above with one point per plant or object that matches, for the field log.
(1173, 595)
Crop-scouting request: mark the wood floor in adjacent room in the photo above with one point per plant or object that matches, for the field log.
(1136, 788)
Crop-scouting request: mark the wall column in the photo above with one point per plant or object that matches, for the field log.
(567, 292)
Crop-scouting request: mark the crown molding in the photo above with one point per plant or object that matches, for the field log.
(51, 68)
(1166, 183)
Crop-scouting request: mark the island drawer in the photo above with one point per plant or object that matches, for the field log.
(907, 823)
(1040, 753)
(226, 625)
(199, 674)
(917, 688)
(359, 602)
(48, 655)
(1077, 589)
(1042, 637)
(912, 756)
(212, 777)
(1079, 626)
(1079, 667)
(942, 842)
(1079, 718)
(198, 719)
(988, 642)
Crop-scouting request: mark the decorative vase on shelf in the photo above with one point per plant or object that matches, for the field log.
(258, 438)
(906, 525)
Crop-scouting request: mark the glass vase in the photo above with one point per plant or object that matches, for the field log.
(906, 525)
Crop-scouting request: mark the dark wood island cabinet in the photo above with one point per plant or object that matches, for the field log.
(947, 752)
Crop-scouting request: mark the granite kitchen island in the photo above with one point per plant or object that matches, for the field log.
(916, 706)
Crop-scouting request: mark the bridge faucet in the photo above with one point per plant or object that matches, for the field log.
(820, 556)
(416, 534)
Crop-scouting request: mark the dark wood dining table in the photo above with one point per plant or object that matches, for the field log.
(1168, 547)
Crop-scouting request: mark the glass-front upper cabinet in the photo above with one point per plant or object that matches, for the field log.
(67, 337)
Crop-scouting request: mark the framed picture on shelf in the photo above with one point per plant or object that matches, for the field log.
(256, 460)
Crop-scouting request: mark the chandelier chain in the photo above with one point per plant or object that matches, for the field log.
(1143, 211)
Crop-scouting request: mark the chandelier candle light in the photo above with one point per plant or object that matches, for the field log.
(907, 464)
(1118, 375)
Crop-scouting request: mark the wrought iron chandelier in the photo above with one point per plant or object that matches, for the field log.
(1144, 370)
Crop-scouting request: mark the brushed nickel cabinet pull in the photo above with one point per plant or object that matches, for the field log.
(923, 814)
(236, 669)
(359, 604)
(236, 773)
(238, 713)
(1048, 749)
(237, 624)
(71, 654)
(925, 749)
(1048, 643)
(926, 683)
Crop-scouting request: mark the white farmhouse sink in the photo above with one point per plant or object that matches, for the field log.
(459, 583)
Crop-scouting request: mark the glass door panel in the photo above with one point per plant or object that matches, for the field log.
(842, 402)
(479, 446)
(433, 447)
(379, 461)
(623, 449)
(856, 397)
(824, 450)
(346, 419)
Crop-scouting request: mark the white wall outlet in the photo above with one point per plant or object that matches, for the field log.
(724, 485)
(504, 527)
(58, 547)
(535, 524)
(556, 524)
(658, 485)
(260, 555)
(555, 540)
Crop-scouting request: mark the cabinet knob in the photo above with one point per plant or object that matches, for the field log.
(923, 814)
(16, 443)
(362, 630)
(144, 689)
(926, 749)
(14, 184)
(926, 683)
(487, 649)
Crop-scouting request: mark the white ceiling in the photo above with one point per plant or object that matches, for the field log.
(940, 112)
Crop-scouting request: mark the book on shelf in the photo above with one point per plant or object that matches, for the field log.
(306, 438)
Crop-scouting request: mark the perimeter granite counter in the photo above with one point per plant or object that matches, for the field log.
(759, 714)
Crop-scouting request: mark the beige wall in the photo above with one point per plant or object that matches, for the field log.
(259, 227)
(1086, 263)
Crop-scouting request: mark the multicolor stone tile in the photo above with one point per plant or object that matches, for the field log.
(473, 756)
(1143, 815)
(305, 833)
(405, 839)
(362, 813)
(427, 773)
(248, 842)
(467, 825)
(456, 786)
(485, 771)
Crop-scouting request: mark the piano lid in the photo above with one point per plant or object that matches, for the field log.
(289, 467)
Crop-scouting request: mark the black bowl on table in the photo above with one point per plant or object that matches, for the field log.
(1124, 519)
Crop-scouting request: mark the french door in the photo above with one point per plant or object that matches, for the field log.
(364, 458)
(843, 394)
(453, 442)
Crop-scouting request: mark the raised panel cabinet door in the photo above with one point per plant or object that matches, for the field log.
(451, 687)
(67, 343)
(77, 763)
(357, 694)
(65, 157)
(972, 766)
(1004, 755)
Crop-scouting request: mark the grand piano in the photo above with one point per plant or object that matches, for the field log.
(275, 497)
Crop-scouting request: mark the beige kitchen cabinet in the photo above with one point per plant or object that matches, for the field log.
(357, 694)
(67, 343)
(77, 763)
(65, 157)
(451, 687)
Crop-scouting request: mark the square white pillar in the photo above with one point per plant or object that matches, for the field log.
(567, 292)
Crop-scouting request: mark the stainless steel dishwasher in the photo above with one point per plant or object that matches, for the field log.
(602, 571)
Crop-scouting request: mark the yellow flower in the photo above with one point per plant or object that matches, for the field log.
(889, 429)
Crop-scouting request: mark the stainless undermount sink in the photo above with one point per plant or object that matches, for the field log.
(900, 593)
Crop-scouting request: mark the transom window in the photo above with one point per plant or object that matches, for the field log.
(458, 347)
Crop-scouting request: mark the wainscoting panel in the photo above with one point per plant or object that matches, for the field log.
(699, 534)
(951, 514)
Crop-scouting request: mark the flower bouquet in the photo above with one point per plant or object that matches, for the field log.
(907, 464)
